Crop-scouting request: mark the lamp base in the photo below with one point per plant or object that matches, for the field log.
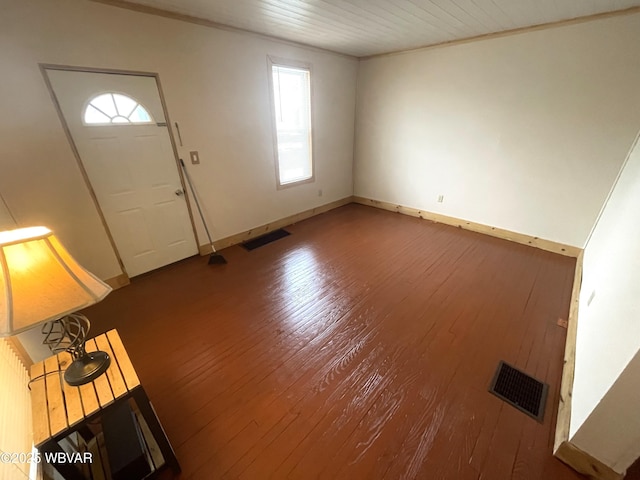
(87, 368)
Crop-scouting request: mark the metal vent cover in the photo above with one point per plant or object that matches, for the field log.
(520, 390)
(265, 239)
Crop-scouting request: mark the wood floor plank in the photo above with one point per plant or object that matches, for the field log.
(360, 346)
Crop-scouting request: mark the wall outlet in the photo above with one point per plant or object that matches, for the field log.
(440, 198)
(320, 192)
(195, 158)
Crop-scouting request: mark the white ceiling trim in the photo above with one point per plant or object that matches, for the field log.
(366, 28)
(128, 5)
(515, 31)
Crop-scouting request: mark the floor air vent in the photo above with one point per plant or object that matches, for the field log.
(264, 239)
(520, 390)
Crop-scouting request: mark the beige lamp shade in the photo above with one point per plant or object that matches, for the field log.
(40, 281)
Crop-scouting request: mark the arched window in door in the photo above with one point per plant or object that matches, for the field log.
(115, 108)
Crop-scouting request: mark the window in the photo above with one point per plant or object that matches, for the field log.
(291, 101)
(110, 108)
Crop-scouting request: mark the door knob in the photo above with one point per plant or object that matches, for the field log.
(179, 192)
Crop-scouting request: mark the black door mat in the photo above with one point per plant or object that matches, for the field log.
(520, 390)
(264, 239)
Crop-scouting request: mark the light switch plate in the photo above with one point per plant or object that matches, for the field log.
(195, 157)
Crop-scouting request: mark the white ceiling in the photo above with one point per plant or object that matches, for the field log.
(369, 27)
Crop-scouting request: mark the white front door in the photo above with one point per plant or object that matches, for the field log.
(118, 126)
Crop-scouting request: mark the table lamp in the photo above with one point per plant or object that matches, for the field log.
(40, 283)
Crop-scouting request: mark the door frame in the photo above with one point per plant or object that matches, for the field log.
(69, 68)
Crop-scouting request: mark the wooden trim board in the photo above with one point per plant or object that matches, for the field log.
(548, 245)
(268, 227)
(120, 281)
(563, 449)
(563, 421)
(584, 463)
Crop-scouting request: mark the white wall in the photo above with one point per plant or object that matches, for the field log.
(525, 132)
(215, 85)
(6, 222)
(608, 336)
(611, 433)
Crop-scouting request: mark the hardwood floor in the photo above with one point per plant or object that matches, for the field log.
(359, 347)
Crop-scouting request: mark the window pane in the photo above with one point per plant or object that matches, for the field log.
(140, 115)
(110, 108)
(125, 105)
(93, 115)
(105, 104)
(294, 156)
(292, 109)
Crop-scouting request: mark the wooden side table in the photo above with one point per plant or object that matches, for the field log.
(60, 409)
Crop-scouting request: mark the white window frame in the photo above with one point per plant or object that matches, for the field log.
(283, 62)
